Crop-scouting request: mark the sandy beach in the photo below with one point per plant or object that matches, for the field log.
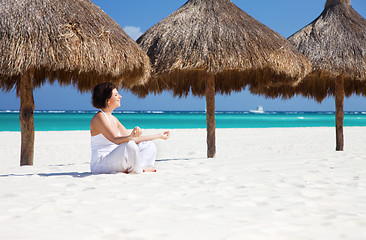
(276, 183)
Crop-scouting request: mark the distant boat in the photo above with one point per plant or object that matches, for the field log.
(259, 110)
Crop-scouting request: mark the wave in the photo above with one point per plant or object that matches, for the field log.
(129, 112)
(156, 112)
(53, 111)
(9, 111)
(189, 112)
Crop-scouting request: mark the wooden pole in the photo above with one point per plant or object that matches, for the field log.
(210, 116)
(339, 100)
(26, 118)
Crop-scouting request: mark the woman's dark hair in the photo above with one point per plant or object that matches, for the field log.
(101, 93)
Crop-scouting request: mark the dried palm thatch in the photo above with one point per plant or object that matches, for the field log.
(214, 40)
(335, 43)
(71, 41)
(206, 37)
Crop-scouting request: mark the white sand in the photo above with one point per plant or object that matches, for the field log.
(263, 184)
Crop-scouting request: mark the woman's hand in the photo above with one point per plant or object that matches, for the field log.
(165, 135)
(136, 132)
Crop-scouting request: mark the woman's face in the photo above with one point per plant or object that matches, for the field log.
(115, 100)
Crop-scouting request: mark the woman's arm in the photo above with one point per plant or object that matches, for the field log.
(99, 124)
(137, 133)
(164, 135)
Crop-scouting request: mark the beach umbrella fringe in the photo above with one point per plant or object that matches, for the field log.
(70, 41)
(201, 38)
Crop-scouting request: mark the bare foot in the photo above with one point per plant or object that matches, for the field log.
(149, 170)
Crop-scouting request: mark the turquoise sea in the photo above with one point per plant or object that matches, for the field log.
(79, 120)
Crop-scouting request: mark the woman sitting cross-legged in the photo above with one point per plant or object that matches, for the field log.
(114, 148)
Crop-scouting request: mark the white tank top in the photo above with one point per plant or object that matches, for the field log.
(100, 145)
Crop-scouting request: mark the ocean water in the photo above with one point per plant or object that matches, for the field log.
(79, 120)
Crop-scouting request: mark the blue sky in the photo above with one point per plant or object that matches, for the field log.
(284, 16)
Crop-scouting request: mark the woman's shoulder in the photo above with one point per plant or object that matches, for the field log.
(97, 118)
(96, 123)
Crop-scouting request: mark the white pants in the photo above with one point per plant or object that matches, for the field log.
(128, 157)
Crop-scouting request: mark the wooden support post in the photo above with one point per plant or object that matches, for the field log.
(26, 118)
(339, 100)
(210, 116)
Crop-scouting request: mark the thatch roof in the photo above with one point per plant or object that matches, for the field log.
(216, 37)
(335, 43)
(72, 41)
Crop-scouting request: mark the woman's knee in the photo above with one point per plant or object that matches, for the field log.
(150, 146)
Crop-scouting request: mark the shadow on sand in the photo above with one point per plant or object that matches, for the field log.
(82, 174)
(177, 159)
(71, 174)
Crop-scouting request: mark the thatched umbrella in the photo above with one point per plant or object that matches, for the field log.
(72, 41)
(335, 43)
(210, 46)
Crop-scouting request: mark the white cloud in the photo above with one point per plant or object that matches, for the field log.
(133, 32)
